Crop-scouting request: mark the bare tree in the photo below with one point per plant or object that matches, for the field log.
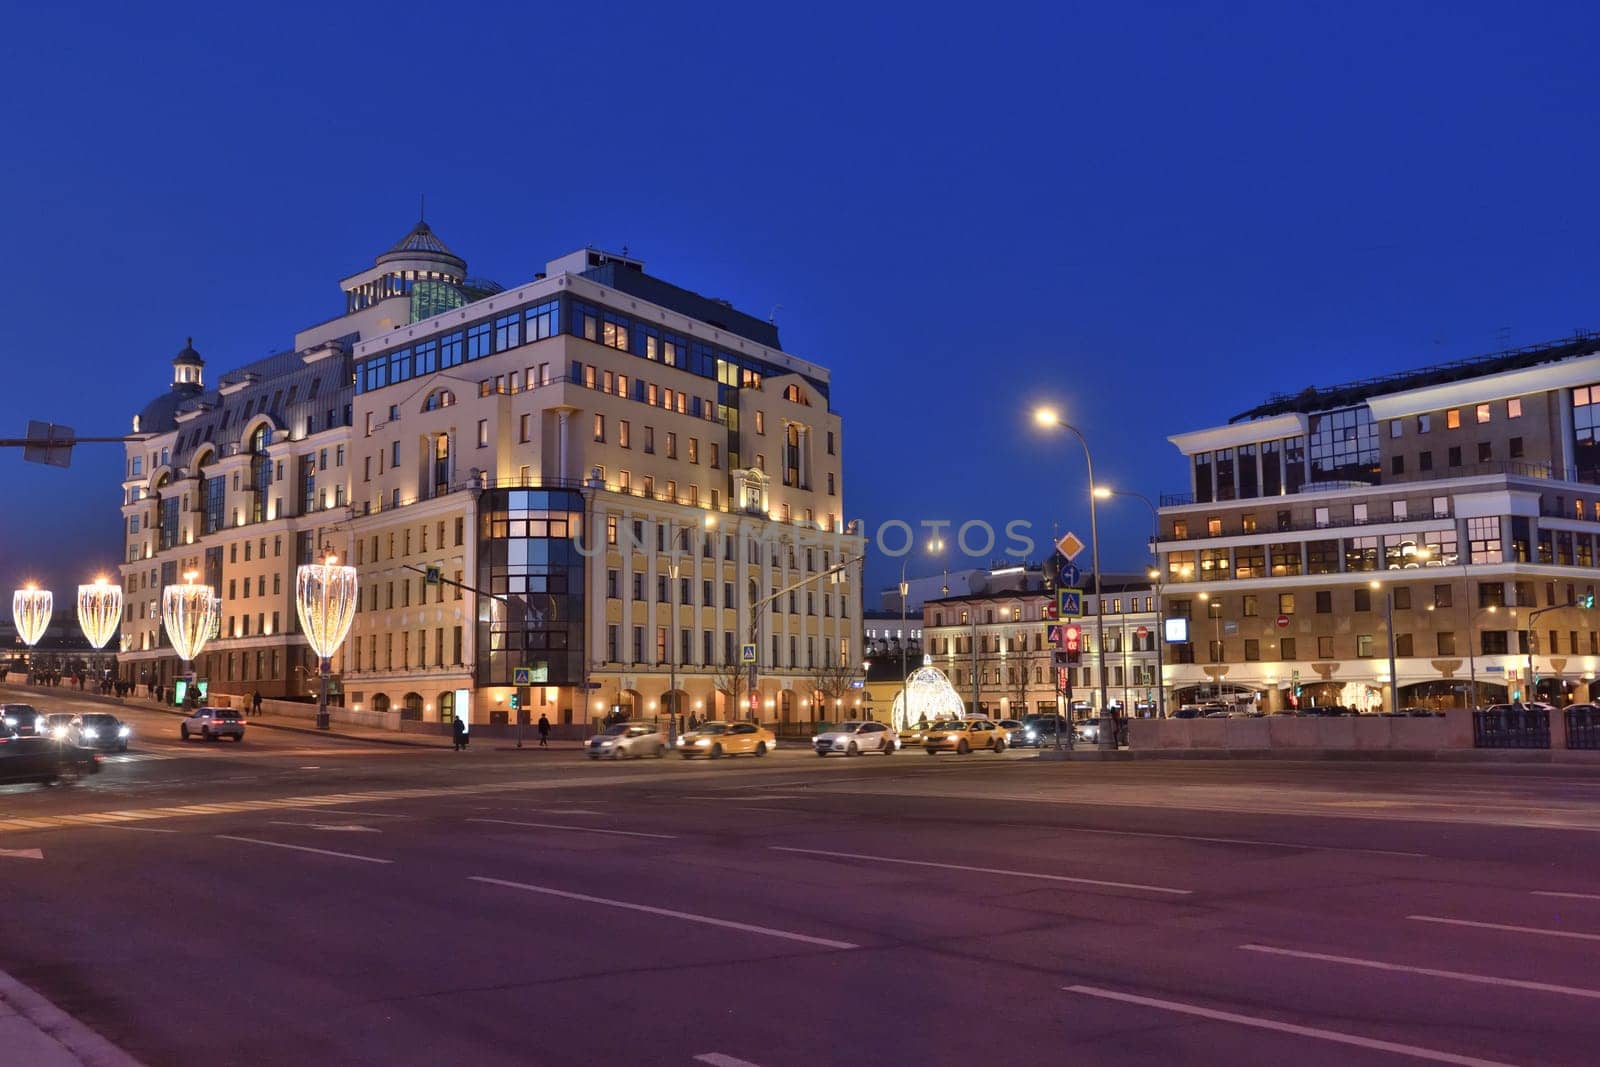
(833, 682)
(729, 680)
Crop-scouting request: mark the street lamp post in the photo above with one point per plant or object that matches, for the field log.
(325, 598)
(1388, 625)
(905, 591)
(190, 613)
(1104, 739)
(1105, 493)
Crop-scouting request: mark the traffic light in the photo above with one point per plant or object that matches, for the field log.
(1072, 643)
(514, 702)
(1586, 601)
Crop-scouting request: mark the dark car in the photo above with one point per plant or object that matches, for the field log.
(102, 731)
(33, 758)
(57, 725)
(1039, 731)
(23, 718)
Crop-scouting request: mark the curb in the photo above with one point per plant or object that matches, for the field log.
(82, 1043)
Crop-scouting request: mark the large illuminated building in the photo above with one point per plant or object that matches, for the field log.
(1452, 511)
(597, 477)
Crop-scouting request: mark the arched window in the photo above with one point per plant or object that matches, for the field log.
(439, 398)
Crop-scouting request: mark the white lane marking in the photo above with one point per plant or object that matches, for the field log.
(571, 811)
(346, 828)
(984, 870)
(303, 848)
(728, 924)
(138, 829)
(1241, 841)
(1566, 896)
(1416, 1051)
(1507, 927)
(23, 853)
(1480, 979)
(315, 768)
(719, 1059)
(577, 829)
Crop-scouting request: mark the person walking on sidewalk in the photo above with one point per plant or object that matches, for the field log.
(459, 731)
(255, 703)
(544, 731)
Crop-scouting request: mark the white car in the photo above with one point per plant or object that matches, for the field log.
(854, 738)
(627, 741)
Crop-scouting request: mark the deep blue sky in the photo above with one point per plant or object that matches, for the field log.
(1153, 214)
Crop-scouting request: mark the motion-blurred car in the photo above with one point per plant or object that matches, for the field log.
(100, 730)
(1039, 732)
(911, 736)
(1088, 730)
(1009, 728)
(57, 726)
(854, 738)
(963, 735)
(23, 718)
(33, 758)
(213, 724)
(627, 741)
(718, 739)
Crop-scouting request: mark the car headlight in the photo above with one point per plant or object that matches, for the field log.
(1030, 735)
(10, 721)
(60, 733)
(90, 732)
(124, 731)
(702, 743)
(682, 741)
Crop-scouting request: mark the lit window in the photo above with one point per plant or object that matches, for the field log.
(599, 427)
(1514, 408)
(1452, 419)
(1483, 413)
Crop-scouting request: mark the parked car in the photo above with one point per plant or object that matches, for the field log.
(213, 724)
(1189, 713)
(962, 736)
(1089, 729)
(32, 758)
(100, 730)
(628, 741)
(718, 739)
(854, 738)
(23, 718)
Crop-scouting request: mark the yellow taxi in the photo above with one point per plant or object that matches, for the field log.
(911, 736)
(963, 735)
(717, 739)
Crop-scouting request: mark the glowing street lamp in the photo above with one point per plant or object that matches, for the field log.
(325, 597)
(189, 613)
(99, 613)
(30, 610)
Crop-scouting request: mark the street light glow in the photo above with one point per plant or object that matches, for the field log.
(1103, 492)
(1046, 417)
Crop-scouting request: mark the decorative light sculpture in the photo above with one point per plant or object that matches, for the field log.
(189, 612)
(30, 610)
(928, 695)
(99, 611)
(99, 615)
(325, 598)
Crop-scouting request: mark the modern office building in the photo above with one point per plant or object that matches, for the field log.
(1451, 512)
(598, 484)
(993, 647)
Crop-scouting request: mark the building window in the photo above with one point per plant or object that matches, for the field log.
(1425, 461)
(1324, 648)
(1252, 650)
(483, 433)
(1286, 649)
(1248, 606)
(1324, 600)
(1483, 539)
(599, 427)
(1453, 456)
(1515, 447)
(1452, 419)
(1447, 643)
(1285, 603)
(1363, 599)
(1363, 646)
(1485, 451)
(1482, 413)
(1514, 408)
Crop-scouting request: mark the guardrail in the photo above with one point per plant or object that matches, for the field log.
(1529, 728)
(1583, 728)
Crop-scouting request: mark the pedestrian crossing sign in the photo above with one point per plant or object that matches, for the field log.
(521, 676)
(747, 654)
(1069, 603)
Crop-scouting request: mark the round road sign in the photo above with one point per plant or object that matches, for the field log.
(1283, 621)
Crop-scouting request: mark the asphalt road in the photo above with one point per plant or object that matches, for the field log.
(301, 900)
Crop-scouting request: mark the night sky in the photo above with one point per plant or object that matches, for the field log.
(1152, 215)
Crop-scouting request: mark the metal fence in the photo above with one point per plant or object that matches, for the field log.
(1583, 728)
(1528, 728)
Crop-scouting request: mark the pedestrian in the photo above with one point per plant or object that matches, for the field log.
(459, 730)
(255, 703)
(544, 731)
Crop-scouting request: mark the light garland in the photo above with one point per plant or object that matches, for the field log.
(30, 610)
(189, 612)
(930, 696)
(99, 611)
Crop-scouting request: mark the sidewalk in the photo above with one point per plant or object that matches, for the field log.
(36, 1032)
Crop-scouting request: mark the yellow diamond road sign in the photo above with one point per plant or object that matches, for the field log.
(1069, 545)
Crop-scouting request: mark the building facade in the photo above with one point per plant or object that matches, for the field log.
(597, 484)
(994, 648)
(1451, 511)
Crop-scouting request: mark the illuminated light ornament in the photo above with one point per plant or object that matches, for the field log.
(189, 612)
(325, 598)
(99, 611)
(929, 694)
(30, 610)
